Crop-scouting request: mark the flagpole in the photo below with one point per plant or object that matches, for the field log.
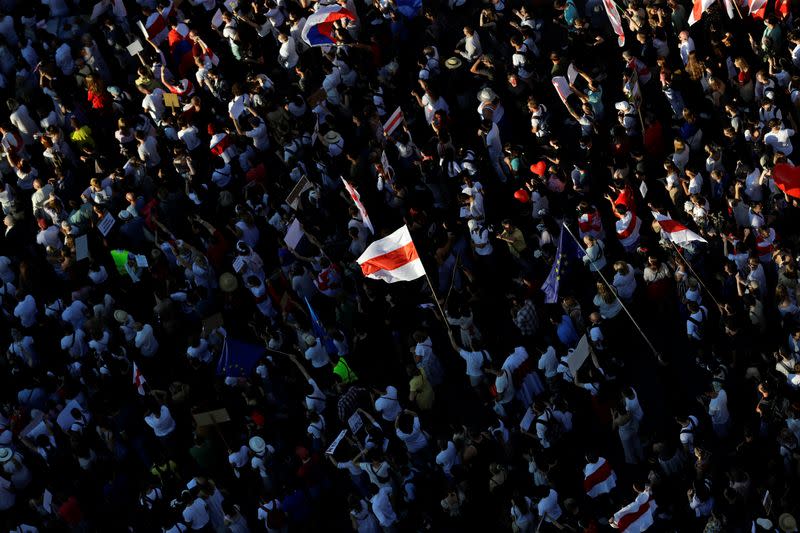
(453, 278)
(435, 298)
(688, 264)
(624, 308)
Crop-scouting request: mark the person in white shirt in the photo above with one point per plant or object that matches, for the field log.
(189, 134)
(162, 424)
(779, 138)
(76, 314)
(26, 310)
(548, 506)
(145, 339)
(548, 363)
(287, 54)
(195, 514)
(718, 410)
(471, 43)
(388, 405)
(257, 132)
(316, 353)
(624, 281)
(686, 46)
(448, 457)
(382, 506)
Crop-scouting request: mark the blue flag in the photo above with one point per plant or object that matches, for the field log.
(320, 332)
(568, 252)
(238, 358)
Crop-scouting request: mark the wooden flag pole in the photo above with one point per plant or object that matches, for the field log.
(688, 264)
(435, 298)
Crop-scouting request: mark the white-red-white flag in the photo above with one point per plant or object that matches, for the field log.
(729, 7)
(393, 258)
(637, 516)
(598, 478)
(674, 231)
(138, 379)
(782, 8)
(394, 121)
(615, 20)
(698, 8)
(356, 197)
(756, 8)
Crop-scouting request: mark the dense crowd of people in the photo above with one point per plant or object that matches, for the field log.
(608, 334)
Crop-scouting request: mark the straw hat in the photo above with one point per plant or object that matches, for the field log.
(257, 444)
(120, 316)
(487, 95)
(452, 63)
(331, 137)
(310, 339)
(228, 282)
(787, 523)
(5, 454)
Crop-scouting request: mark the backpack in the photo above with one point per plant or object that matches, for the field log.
(554, 431)
(276, 518)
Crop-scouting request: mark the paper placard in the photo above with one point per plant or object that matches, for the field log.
(141, 261)
(47, 501)
(216, 20)
(355, 422)
(106, 223)
(643, 189)
(65, 418)
(82, 248)
(135, 47)
(332, 448)
(209, 418)
(98, 9)
(572, 73)
(171, 100)
(294, 234)
(302, 186)
(578, 356)
(231, 5)
(238, 264)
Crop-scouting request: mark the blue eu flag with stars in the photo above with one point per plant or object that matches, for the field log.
(568, 252)
(238, 358)
(320, 331)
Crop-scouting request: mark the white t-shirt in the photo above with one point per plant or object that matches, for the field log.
(26, 311)
(388, 405)
(448, 458)
(146, 341)
(718, 408)
(163, 425)
(549, 505)
(475, 361)
(317, 355)
(196, 514)
(316, 400)
(414, 441)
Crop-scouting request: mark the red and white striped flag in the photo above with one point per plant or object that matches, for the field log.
(637, 516)
(598, 478)
(615, 20)
(393, 258)
(729, 7)
(138, 379)
(674, 231)
(699, 7)
(756, 8)
(394, 121)
(356, 197)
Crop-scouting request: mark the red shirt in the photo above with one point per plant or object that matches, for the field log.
(70, 512)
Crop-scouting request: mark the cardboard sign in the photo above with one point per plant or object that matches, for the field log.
(82, 248)
(238, 264)
(332, 448)
(210, 418)
(355, 422)
(135, 47)
(65, 418)
(171, 100)
(294, 234)
(106, 223)
(578, 356)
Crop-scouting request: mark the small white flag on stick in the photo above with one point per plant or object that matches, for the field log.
(394, 121)
(356, 197)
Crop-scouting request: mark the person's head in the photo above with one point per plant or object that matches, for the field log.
(621, 267)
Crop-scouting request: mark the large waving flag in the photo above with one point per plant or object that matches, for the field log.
(698, 8)
(566, 251)
(615, 20)
(674, 231)
(318, 30)
(393, 258)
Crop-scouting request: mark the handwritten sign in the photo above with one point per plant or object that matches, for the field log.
(106, 223)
